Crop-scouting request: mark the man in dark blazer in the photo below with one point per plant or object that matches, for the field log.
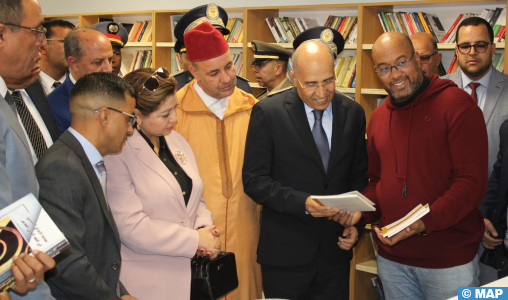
(303, 254)
(36, 93)
(494, 211)
(73, 180)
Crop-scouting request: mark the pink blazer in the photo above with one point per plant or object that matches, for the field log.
(157, 230)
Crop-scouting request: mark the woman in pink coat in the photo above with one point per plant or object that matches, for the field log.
(154, 192)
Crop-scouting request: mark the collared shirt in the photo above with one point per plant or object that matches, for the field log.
(72, 79)
(38, 120)
(481, 91)
(91, 152)
(326, 121)
(48, 82)
(217, 106)
(3, 87)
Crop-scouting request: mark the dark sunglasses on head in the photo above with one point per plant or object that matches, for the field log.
(152, 83)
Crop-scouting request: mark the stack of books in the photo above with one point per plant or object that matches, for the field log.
(141, 59)
(496, 18)
(347, 26)
(235, 26)
(238, 62)
(286, 29)
(411, 23)
(498, 61)
(345, 71)
(141, 31)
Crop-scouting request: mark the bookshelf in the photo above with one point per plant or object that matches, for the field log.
(367, 89)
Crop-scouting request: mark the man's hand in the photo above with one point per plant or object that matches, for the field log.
(347, 219)
(318, 211)
(489, 241)
(129, 297)
(349, 238)
(28, 270)
(408, 232)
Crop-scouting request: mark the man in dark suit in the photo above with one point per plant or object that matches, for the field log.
(494, 206)
(19, 56)
(86, 50)
(73, 181)
(36, 93)
(303, 141)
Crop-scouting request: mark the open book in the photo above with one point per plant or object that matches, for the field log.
(25, 225)
(352, 201)
(399, 225)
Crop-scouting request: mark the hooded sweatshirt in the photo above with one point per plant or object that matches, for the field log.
(433, 150)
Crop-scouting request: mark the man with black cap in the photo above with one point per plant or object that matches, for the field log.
(182, 53)
(270, 67)
(213, 14)
(118, 36)
(213, 116)
(303, 141)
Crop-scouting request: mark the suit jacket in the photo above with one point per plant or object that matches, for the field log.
(157, 230)
(17, 174)
(282, 167)
(184, 77)
(36, 93)
(495, 110)
(495, 202)
(72, 195)
(59, 104)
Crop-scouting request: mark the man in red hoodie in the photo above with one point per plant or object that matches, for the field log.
(427, 144)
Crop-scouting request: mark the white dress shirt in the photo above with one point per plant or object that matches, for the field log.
(217, 106)
(91, 152)
(481, 90)
(48, 81)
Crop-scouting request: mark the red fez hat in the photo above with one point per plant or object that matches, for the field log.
(204, 42)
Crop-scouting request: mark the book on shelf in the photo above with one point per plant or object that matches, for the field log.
(25, 226)
(495, 17)
(498, 61)
(286, 29)
(141, 59)
(345, 71)
(174, 20)
(453, 65)
(412, 22)
(141, 32)
(379, 287)
(238, 62)
(235, 26)
(344, 25)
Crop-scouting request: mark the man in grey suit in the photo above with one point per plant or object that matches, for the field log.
(73, 180)
(489, 88)
(21, 34)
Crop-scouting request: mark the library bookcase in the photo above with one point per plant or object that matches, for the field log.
(367, 90)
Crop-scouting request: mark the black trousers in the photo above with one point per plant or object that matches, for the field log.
(318, 280)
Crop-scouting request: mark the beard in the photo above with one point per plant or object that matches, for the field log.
(403, 95)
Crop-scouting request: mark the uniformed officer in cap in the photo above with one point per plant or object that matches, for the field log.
(182, 53)
(270, 67)
(118, 36)
(213, 14)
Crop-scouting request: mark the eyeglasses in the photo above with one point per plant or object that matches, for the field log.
(401, 65)
(262, 64)
(131, 118)
(313, 86)
(152, 83)
(479, 47)
(60, 40)
(424, 59)
(39, 32)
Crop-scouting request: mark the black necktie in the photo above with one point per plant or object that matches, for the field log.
(320, 138)
(56, 84)
(31, 128)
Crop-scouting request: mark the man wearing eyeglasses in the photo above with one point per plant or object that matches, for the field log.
(21, 34)
(87, 51)
(489, 89)
(54, 66)
(426, 46)
(73, 184)
(303, 141)
(427, 145)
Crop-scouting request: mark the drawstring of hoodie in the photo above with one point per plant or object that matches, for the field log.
(404, 176)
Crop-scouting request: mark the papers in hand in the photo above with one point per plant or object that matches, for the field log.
(25, 226)
(399, 225)
(352, 201)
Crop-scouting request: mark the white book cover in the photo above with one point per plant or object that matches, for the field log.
(417, 213)
(352, 201)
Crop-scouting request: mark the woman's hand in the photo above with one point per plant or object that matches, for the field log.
(209, 242)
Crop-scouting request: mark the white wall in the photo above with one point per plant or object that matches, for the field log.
(57, 7)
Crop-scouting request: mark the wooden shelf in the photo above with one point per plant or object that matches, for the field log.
(345, 90)
(138, 44)
(374, 92)
(369, 266)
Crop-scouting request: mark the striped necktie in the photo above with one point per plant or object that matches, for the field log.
(320, 138)
(31, 128)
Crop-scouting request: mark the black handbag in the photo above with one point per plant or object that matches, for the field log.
(212, 279)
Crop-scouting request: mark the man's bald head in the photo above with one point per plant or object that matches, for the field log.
(397, 65)
(426, 46)
(312, 51)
